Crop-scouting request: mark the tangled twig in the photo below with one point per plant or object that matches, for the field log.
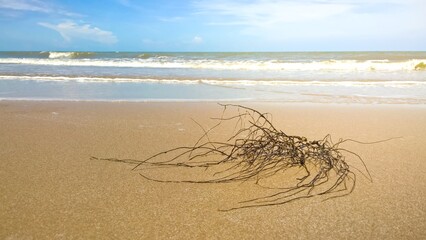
(256, 151)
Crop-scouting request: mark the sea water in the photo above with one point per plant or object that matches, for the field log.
(337, 77)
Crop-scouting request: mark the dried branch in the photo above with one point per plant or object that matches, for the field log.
(257, 151)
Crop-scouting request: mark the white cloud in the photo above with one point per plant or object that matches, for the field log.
(294, 21)
(70, 31)
(197, 40)
(34, 6)
(25, 5)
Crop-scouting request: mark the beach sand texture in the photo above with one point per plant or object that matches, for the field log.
(50, 189)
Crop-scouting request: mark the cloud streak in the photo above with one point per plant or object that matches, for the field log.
(293, 22)
(264, 13)
(273, 13)
(34, 6)
(71, 31)
(25, 5)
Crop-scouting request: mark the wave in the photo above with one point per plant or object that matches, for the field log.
(106, 79)
(70, 54)
(96, 79)
(99, 55)
(145, 61)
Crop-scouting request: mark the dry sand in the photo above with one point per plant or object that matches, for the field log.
(51, 190)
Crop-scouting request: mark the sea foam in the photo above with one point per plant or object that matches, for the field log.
(217, 82)
(69, 59)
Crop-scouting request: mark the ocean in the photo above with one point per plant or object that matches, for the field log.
(319, 77)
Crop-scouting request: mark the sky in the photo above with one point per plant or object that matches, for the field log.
(212, 25)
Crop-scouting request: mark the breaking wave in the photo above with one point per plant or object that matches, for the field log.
(75, 59)
(70, 54)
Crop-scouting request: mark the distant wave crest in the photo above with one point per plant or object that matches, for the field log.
(54, 55)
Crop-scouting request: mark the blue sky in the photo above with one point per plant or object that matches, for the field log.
(212, 25)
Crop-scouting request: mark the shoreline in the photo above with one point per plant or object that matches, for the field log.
(51, 189)
(219, 101)
(316, 91)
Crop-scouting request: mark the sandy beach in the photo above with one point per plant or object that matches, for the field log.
(50, 189)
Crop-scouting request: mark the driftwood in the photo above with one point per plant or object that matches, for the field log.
(257, 151)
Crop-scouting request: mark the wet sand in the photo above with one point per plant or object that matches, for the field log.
(50, 189)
